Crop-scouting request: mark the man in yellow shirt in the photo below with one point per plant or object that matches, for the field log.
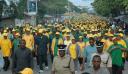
(121, 41)
(6, 46)
(108, 42)
(56, 40)
(82, 45)
(74, 51)
(28, 37)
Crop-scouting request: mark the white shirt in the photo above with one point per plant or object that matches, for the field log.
(102, 70)
(106, 60)
(67, 42)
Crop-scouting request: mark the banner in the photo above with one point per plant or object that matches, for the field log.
(32, 7)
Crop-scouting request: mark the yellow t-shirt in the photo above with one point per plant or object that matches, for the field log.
(6, 47)
(72, 51)
(123, 43)
(103, 40)
(107, 44)
(81, 45)
(29, 41)
(87, 43)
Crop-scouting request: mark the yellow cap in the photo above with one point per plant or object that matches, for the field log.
(95, 35)
(27, 71)
(103, 40)
(27, 29)
(50, 32)
(5, 31)
(63, 30)
(35, 28)
(7, 28)
(90, 35)
(120, 29)
(27, 24)
(99, 34)
(109, 29)
(82, 28)
(72, 37)
(40, 30)
(80, 37)
(39, 25)
(96, 30)
(13, 30)
(57, 32)
(106, 34)
(67, 35)
(57, 25)
(33, 31)
(68, 30)
(120, 34)
(49, 25)
(5, 34)
(93, 29)
(85, 32)
(110, 34)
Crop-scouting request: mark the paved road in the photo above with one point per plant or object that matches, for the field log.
(36, 69)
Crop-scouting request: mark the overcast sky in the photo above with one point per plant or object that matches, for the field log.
(86, 3)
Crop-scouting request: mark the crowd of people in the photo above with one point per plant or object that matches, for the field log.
(98, 49)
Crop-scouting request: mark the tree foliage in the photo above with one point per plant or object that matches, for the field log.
(109, 7)
(21, 8)
(51, 7)
(125, 2)
(14, 10)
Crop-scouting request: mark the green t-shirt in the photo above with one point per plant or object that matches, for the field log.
(116, 54)
(56, 48)
(16, 43)
(86, 40)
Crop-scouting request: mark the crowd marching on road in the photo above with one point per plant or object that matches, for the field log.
(97, 47)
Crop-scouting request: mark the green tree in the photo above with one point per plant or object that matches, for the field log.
(109, 7)
(21, 8)
(14, 10)
(101, 7)
(51, 7)
(125, 2)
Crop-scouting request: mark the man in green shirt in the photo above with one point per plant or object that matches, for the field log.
(115, 51)
(16, 41)
(85, 38)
